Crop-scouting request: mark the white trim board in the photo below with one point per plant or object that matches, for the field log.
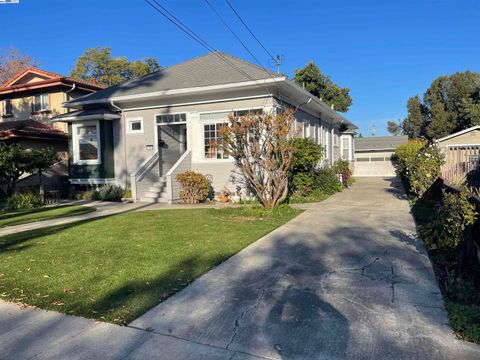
(461, 132)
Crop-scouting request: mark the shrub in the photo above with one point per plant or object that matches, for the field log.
(453, 216)
(326, 181)
(465, 320)
(90, 195)
(419, 165)
(342, 167)
(195, 187)
(306, 155)
(26, 200)
(303, 184)
(111, 192)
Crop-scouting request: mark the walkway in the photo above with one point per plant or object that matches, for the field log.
(347, 279)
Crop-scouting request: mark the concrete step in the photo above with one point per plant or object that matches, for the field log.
(156, 188)
(152, 194)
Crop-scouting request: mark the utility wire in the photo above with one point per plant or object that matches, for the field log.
(234, 34)
(249, 30)
(177, 22)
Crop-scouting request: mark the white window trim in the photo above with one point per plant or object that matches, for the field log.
(4, 107)
(41, 102)
(204, 158)
(129, 125)
(76, 153)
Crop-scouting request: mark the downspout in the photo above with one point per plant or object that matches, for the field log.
(112, 104)
(332, 148)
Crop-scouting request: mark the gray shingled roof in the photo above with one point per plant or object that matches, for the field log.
(379, 142)
(205, 70)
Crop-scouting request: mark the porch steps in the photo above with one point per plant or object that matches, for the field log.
(157, 193)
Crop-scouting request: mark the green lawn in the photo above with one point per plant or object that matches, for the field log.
(116, 268)
(18, 217)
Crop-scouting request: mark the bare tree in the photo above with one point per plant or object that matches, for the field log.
(259, 145)
(11, 62)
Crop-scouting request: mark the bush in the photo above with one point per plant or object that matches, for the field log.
(195, 187)
(326, 180)
(303, 184)
(453, 216)
(111, 192)
(26, 200)
(419, 165)
(306, 155)
(342, 167)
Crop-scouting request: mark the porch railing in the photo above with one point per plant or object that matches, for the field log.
(148, 172)
(182, 164)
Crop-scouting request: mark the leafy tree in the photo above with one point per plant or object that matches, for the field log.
(414, 122)
(97, 63)
(450, 104)
(260, 148)
(394, 128)
(11, 62)
(40, 161)
(323, 87)
(16, 161)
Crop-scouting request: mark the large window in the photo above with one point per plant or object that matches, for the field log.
(7, 107)
(212, 141)
(212, 123)
(86, 143)
(345, 149)
(40, 102)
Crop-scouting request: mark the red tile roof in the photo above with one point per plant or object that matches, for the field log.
(29, 129)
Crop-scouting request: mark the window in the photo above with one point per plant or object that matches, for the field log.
(7, 107)
(313, 130)
(346, 149)
(171, 118)
(135, 126)
(40, 102)
(212, 141)
(306, 129)
(215, 121)
(86, 144)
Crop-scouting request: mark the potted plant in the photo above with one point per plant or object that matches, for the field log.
(223, 198)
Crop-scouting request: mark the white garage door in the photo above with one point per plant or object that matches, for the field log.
(374, 164)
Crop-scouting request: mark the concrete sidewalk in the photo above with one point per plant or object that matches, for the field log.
(103, 208)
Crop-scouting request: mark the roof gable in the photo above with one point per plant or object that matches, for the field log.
(458, 133)
(30, 75)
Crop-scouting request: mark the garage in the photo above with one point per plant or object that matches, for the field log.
(373, 155)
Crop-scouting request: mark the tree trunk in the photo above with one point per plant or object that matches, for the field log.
(42, 190)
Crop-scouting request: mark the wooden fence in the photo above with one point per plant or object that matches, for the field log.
(462, 165)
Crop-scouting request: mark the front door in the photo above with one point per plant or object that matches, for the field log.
(172, 143)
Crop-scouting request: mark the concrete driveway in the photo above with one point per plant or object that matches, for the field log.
(347, 279)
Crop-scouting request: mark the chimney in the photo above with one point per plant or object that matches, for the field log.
(94, 81)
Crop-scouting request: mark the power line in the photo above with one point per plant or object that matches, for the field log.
(234, 34)
(249, 30)
(177, 22)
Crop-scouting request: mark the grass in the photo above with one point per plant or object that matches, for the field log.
(18, 217)
(116, 268)
(312, 197)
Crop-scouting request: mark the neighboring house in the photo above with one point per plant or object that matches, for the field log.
(373, 155)
(34, 94)
(28, 102)
(462, 156)
(142, 133)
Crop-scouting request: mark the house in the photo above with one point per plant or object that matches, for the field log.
(462, 156)
(142, 133)
(373, 155)
(29, 100)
